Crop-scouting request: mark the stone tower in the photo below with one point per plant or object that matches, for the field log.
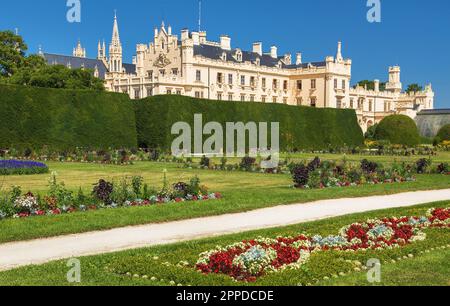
(394, 84)
(115, 50)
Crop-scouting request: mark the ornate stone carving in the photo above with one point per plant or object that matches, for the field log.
(162, 61)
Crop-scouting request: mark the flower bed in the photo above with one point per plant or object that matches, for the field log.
(16, 167)
(324, 174)
(129, 192)
(248, 260)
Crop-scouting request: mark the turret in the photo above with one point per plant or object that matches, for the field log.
(394, 85)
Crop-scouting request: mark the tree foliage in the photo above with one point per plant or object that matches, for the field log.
(12, 53)
(370, 85)
(32, 70)
(414, 88)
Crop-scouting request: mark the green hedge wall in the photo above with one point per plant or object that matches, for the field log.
(300, 127)
(33, 117)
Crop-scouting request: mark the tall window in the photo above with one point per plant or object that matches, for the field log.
(275, 84)
(197, 94)
(335, 83)
(313, 84)
(263, 83)
(285, 85)
(230, 79)
(219, 78)
(339, 103)
(242, 98)
(137, 93)
(252, 98)
(343, 84)
(351, 104)
(219, 96)
(243, 80)
(230, 97)
(175, 71)
(370, 105)
(313, 102)
(299, 85)
(198, 75)
(252, 81)
(274, 100)
(263, 99)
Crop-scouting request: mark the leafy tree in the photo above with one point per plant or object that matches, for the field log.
(12, 52)
(414, 88)
(32, 70)
(371, 85)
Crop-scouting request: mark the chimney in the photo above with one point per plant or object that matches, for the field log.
(196, 38)
(225, 42)
(257, 48)
(156, 32)
(377, 85)
(298, 60)
(273, 52)
(202, 37)
(169, 30)
(184, 34)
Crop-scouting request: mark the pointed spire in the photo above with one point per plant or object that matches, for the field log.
(115, 35)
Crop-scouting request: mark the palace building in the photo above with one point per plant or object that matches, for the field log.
(194, 66)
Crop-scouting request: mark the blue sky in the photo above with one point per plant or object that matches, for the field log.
(413, 33)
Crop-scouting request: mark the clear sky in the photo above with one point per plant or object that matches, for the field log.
(414, 34)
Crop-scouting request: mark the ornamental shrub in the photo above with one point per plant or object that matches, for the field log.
(102, 191)
(422, 165)
(368, 166)
(247, 163)
(300, 175)
(444, 133)
(398, 129)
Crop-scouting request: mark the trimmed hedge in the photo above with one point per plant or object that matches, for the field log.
(398, 129)
(32, 117)
(444, 133)
(300, 127)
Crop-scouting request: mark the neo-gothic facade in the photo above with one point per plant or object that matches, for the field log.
(194, 66)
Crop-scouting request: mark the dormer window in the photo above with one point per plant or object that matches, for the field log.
(239, 55)
(258, 62)
(279, 65)
(224, 57)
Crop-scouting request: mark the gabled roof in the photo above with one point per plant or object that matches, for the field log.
(216, 52)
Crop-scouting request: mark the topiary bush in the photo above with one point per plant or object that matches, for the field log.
(444, 133)
(398, 129)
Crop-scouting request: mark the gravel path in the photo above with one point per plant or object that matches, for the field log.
(40, 251)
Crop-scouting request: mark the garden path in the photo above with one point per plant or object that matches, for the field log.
(17, 254)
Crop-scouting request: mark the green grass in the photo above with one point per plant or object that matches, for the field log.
(242, 192)
(429, 265)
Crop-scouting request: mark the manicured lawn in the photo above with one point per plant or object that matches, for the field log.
(242, 192)
(428, 266)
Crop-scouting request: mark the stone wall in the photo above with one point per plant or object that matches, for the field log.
(430, 122)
